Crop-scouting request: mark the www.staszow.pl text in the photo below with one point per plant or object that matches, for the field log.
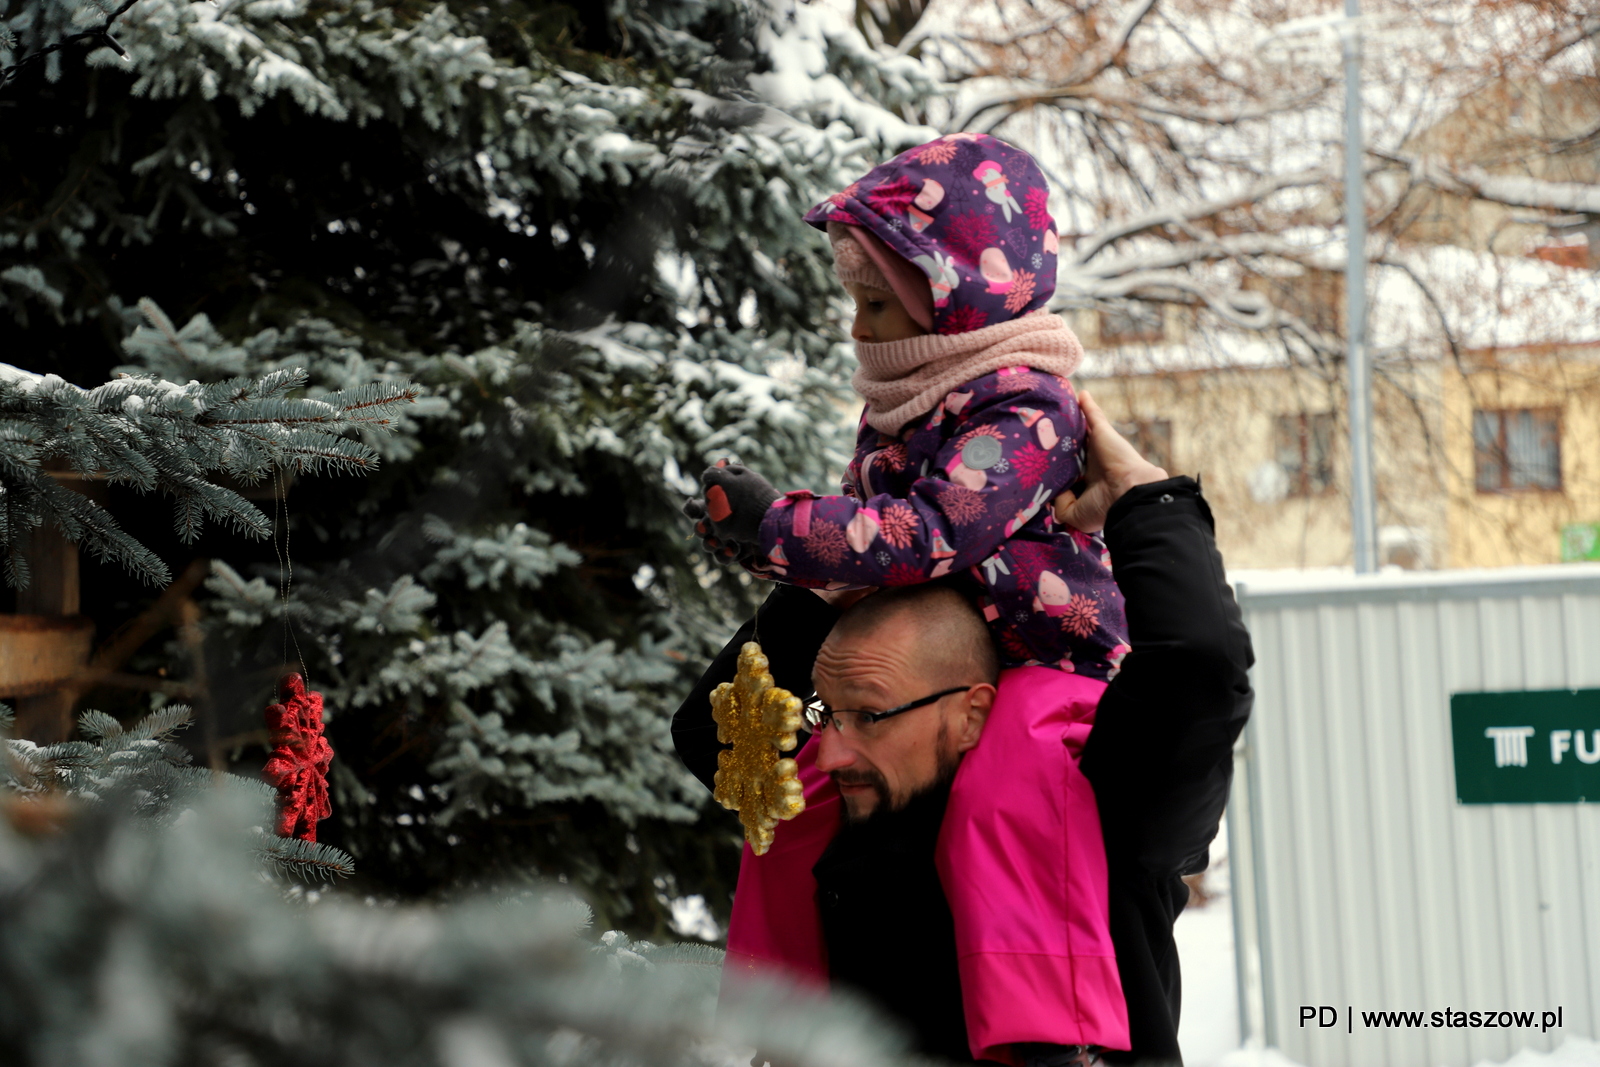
(1326, 1016)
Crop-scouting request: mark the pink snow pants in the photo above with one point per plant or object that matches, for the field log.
(1023, 865)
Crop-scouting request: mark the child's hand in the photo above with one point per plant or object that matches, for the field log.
(1114, 467)
(737, 499)
(728, 519)
(695, 508)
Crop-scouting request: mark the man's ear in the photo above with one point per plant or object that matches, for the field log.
(980, 698)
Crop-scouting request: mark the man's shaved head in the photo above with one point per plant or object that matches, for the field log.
(891, 648)
(953, 645)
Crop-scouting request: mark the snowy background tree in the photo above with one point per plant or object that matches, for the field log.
(1195, 149)
(1195, 146)
(577, 229)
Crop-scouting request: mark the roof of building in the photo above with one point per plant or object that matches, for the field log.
(1421, 299)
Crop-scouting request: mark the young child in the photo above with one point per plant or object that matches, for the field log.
(970, 430)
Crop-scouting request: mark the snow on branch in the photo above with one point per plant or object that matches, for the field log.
(142, 770)
(142, 431)
(1179, 215)
(1182, 254)
(1240, 309)
(1573, 36)
(99, 36)
(1514, 190)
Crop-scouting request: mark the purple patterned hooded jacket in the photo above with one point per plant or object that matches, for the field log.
(971, 211)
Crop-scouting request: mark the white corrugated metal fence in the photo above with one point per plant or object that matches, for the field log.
(1361, 883)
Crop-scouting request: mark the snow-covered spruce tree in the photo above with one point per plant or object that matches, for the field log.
(578, 227)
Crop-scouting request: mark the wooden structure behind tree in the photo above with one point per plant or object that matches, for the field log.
(44, 647)
(48, 657)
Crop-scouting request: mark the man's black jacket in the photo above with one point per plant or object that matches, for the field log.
(1160, 755)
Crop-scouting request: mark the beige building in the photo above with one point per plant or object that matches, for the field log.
(1486, 453)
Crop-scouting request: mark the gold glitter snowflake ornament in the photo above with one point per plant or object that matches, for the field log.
(759, 720)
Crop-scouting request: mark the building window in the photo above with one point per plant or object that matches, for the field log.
(1152, 438)
(1518, 449)
(1304, 448)
(1132, 323)
(1315, 296)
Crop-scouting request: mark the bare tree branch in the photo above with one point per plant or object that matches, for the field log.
(1098, 61)
(1083, 96)
(1185, 213)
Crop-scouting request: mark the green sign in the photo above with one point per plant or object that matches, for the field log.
(1580, 541)
(1540, 747)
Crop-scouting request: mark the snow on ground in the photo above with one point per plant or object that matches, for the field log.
(1573, 1052)
(1250, 1057)
(1208, 1029)
(1209, 1026)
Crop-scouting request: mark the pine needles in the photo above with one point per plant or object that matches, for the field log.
(155, 435)
(143, 771)
(307, 860)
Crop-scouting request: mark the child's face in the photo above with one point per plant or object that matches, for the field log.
(880, 316)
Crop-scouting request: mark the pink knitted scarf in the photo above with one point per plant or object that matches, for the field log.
(901, 380)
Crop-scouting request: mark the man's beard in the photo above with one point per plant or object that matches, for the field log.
(944, 774)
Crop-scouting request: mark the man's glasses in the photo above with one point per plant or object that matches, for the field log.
(819, 716)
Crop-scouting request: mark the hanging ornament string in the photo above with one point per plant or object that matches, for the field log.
(280, 522)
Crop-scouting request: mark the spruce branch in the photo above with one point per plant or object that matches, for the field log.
(152, 434)
(100, 34)
(306, 860)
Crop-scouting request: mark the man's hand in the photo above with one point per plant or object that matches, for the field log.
(843, 598)
(1114, 467)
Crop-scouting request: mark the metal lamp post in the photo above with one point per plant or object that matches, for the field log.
(1363, 505)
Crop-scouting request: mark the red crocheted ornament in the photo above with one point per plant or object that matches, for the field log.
(300, 759)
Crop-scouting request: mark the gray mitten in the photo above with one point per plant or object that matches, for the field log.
(736, 500)
(695, 508)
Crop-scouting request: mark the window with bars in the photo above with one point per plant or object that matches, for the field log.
(1303, 443)
(1152, 438)
(1517, 449)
